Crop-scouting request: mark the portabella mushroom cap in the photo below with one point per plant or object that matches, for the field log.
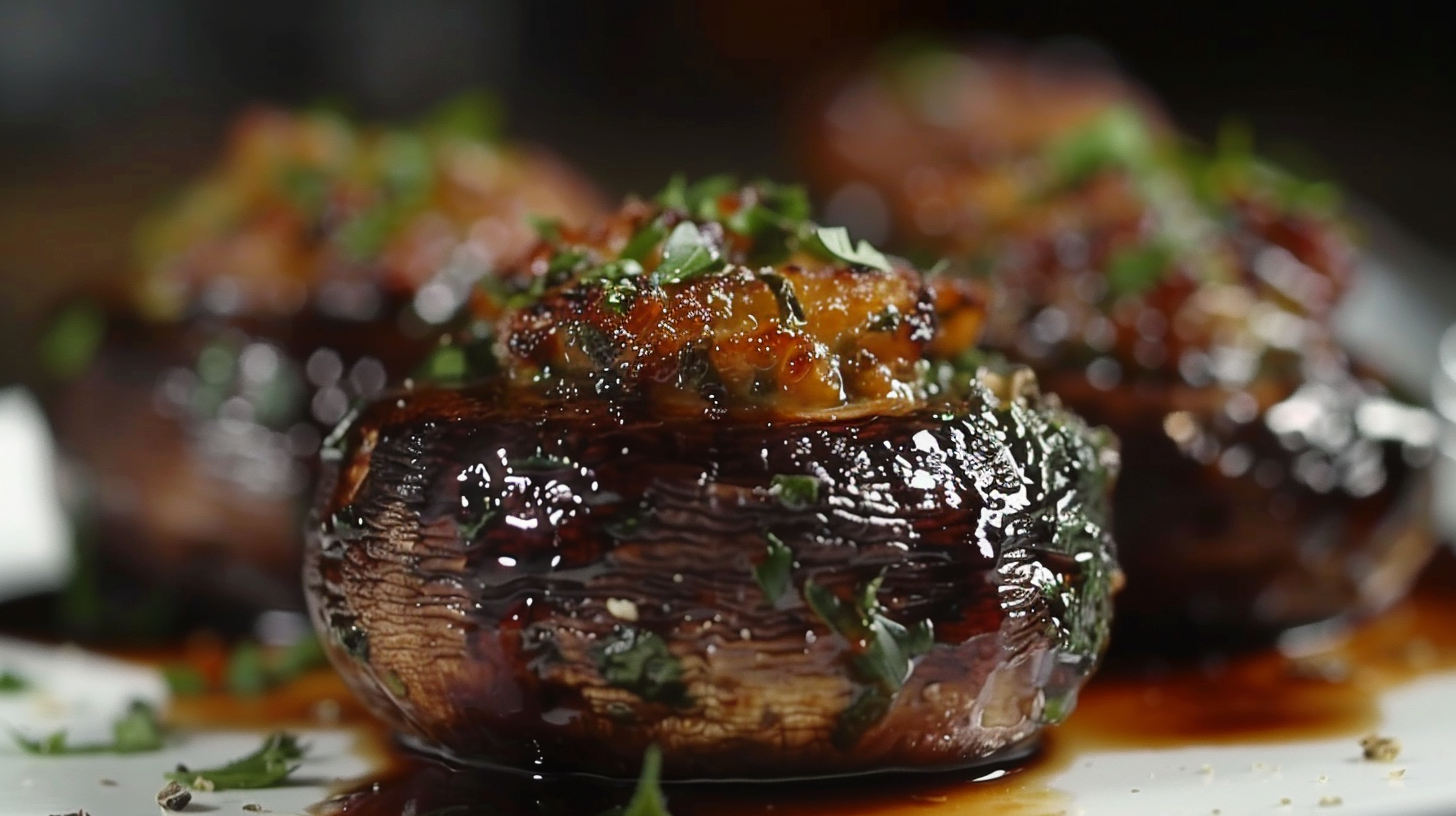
(300, 272)
(1182, 297)
(553, 576)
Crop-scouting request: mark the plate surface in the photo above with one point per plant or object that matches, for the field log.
(84, 692)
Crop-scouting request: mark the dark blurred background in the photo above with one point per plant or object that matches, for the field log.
(106, 106)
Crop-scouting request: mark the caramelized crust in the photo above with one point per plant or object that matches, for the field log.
(304, 206)
(771, 324)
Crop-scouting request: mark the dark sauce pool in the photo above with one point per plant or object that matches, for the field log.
(1331, 690)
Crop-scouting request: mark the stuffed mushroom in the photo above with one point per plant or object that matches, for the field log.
(1180, 296)
(703, 476)
(311, 267)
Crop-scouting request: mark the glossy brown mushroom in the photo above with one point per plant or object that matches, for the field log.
(587, 553)
(1182, 298)
(307, 270)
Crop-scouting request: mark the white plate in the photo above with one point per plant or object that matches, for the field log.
(85, 693)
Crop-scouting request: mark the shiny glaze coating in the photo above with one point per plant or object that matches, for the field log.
(1182, 298)
(554, 587)
(309, 269)
(710, 527)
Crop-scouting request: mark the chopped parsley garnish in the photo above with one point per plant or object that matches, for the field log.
(796, 491)
(642, 244)
(775, 573)
(137, 731)
(1134, 270)
(700, 199)
(886, 650)
(758, 225)
(647, 799)
(184, 680)
(305, 187)
(1117, 138)
(474, 115)
(639, 661)
(546, 229)
(791, 311)
(245, 674)
(251, 670)
(10, 682)
(71, 340)
(266, 767)
(615, 271)
(887, 320)
(836, 242)
(298, 658)
(460, 359)
(686, 254)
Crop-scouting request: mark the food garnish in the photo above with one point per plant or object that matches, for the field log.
(267, 767)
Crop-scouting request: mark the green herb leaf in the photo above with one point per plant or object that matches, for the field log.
(675, 195)
(546, 229)
(137, 731)
(885, 649)
(640, 662)
(407, 169)
(648, 800)
(305, 187)
(475, 115)
(184, 680)
(869, 706)
(446, 364)
(641, 244)
(251, 670)
(1134, 270)
(363, 237)
(246, 674)
(1117, 138)
(53, 744)
(796, 491)
(687, 254)
(72, 339)
(563, 265)
(266, 767)
(699, 200)
(459, 361)
(887, 319)
(775, 573)
(835, 241)
(11, 683)
(298, 658)
(791, 311)
(614, 271)
(789, 201)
